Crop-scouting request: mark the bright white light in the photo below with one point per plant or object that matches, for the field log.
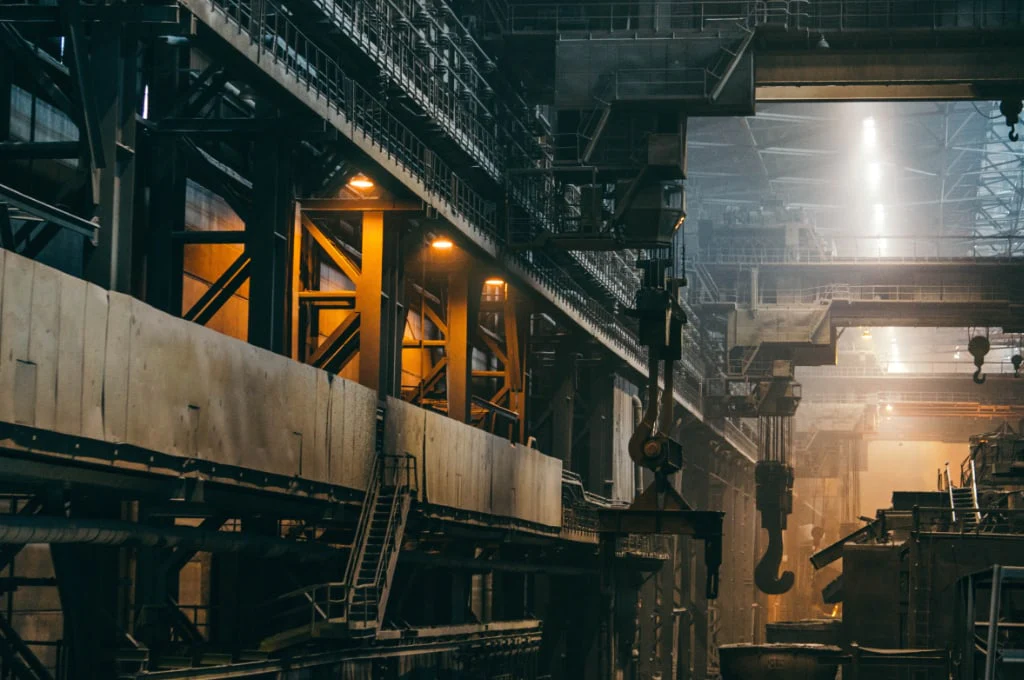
(874, 175)
(888, 408)
(145, 102)
(878, 215)
(956, 355)
(869, 135)
(62, 49)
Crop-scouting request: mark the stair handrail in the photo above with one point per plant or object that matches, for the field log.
(362, 527)
(949, 486)
(974, 494)
(405, 466)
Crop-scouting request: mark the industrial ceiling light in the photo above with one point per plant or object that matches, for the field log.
(361, 181)
(442, 243)
(888, 408)
(822, 43)
(866, 334)
(494, 281)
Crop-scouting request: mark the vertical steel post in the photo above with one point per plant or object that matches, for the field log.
(266, 238)
(368, 299)
(112, 62)
(463, 317)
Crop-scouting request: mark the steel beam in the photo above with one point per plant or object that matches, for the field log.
(563, 403)
(6, 228)
(164, 166)
(23, 651)
(111, 66)
(83, 79)
(49, 213)
(220, 291)
(891, 75)
(268, 230)
(464, 288)
(37, 150)
(47, 15)
(330, 205)
(368, 299)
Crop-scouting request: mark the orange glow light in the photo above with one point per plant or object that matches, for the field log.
(361, 181)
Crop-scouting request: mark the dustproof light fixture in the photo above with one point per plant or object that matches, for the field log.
(866, 334)
(888, 408)
(494, 281)
(361, 181)
(442, 243)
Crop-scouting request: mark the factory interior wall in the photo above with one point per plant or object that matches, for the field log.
(905, 466)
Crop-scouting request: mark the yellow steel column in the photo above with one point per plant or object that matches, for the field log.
(463, 318)
(368, 299)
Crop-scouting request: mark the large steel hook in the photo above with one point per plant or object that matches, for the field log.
(766, 574)
(775, 502)
(979, 347)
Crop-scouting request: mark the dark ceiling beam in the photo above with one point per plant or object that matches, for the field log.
(48, 212)
(49, 16)
(38, 150)
(82, 79)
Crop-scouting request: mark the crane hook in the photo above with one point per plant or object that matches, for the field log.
(979, 377)
(774, 499)
(766, 573)
(1016, 360)
(1014, 137)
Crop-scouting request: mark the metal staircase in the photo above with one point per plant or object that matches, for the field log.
(379, 542)
(963, 500)
(728, 60)
(354, 607)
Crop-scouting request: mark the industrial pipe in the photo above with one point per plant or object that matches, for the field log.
(19, 530)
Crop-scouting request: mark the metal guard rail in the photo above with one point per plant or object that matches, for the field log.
(839, 292)
(799, 15)
(322, 75)
(454, 105)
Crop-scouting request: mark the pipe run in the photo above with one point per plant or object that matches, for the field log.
(17, 530)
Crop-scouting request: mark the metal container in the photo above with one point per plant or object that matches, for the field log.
(807, 631)
(779, 662)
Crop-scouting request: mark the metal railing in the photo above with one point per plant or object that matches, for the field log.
(449, 88)
(758, 256)
(839, 292)
(661, 83)
(904, 369)
(322, 77)
(884, 398)
(607, 17)
(710, 15)
(942, 520)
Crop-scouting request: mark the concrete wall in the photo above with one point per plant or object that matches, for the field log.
(82, 361)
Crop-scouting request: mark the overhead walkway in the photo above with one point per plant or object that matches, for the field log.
(275, 44)
(840, 50)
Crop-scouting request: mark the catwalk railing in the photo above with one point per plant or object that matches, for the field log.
(908, 369)
(369, 122)
(758, 256)
(448, 87)
(822, 295)
(889, 398)
(712, 15)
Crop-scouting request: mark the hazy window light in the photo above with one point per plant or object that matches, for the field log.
(869, 134)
